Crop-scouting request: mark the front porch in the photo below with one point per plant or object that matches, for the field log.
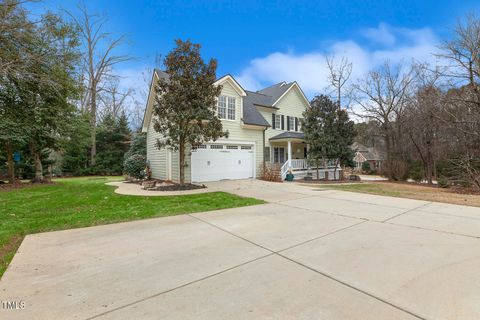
(289, 151)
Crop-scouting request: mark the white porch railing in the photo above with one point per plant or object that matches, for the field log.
(293, 164)
(299, 164)
(284, 169)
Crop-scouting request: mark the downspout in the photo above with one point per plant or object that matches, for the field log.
(264, 145)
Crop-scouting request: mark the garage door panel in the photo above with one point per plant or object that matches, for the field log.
(212, 164)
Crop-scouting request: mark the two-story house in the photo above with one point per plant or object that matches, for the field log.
(264, 125)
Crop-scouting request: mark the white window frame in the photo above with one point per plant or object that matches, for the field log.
(278, 155)
(291, 123)
(222, 104)
(278, 122)
(231, 108)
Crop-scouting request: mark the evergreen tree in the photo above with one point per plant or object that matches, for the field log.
(76, 145)
(138, 145)
(328, 131)
(184, 110)
(35, 102)
(113, 139)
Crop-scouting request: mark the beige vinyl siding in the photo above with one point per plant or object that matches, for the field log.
(237, 131)
(157, 158)
(176, 165)
(292, 105)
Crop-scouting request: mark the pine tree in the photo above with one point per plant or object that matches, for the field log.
(113, 139)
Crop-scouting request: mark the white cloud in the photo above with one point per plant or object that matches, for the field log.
(398, 45)
(381, 35)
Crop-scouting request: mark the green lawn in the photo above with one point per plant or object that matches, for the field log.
(80, 202)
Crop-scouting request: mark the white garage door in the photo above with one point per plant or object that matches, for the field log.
(213, 162)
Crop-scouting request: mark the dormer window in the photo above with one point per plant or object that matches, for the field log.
(226, 107)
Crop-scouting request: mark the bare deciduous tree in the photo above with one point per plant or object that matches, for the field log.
(381, 95)
(339, 73)
(113, 99)
(98, 61)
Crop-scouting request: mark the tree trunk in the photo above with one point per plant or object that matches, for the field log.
(430, 165)
(335, 170)
(10, 163)
(182, 161)
(37, 160)
(318, 169)
(93, 123)
(388, 144)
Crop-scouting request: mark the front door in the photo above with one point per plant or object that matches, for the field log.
(278, 155)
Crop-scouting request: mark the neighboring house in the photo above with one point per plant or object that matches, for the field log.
(263, 126)
(371, 155)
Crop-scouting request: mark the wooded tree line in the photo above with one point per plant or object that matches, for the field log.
(428, 117)
(60, 100)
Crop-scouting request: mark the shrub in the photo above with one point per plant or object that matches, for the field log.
(366, 167)
(399, 170)
(417, 172)
(443, 183)
(270, 172)
(134, 166)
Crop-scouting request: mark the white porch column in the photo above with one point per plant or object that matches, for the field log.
(289, 153)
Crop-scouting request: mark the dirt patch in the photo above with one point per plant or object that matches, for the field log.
(9, 247)
(177, 187)
(416, 191)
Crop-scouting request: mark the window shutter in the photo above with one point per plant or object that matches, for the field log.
(288, 123)
(273, 120)
(296, 124)
(283, 122)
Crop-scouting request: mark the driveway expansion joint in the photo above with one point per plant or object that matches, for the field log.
(176, 288)
(278, 253)
(409, 210)
(354, 288)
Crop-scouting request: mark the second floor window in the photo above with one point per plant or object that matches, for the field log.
(226, 107)
(231, 108)
(222, 107)
(278, 122)
(291, 123)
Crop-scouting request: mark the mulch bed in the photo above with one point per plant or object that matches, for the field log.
(462, 190)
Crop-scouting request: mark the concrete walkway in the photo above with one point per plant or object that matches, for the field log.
(308, 254)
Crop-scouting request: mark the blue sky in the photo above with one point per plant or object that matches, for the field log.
(262, 42)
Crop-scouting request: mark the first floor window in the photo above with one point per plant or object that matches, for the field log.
(222, 107)
(278, 155)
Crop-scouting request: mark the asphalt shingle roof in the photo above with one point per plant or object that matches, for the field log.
(370, 153)
(288, 135)
(265, 98)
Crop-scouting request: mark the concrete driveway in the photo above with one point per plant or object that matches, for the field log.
(307, 254)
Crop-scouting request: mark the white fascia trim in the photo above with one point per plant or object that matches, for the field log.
(238, 89)
(149, 107)
(295, 84)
